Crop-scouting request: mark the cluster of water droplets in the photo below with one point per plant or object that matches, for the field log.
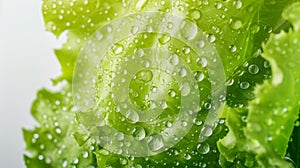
(146, 99)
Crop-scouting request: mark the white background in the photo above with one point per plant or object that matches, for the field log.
(27, 63)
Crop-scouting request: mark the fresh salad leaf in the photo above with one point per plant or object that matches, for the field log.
(181, 83)
(52, 142)
(270, 117)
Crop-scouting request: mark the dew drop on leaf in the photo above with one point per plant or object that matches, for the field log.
(253, 69)
(169, 124)
(174, 59)
(244, 85)
(185, 88)
(203, 148)
(199, 76)
(195, 14)
(211, 38)
(140, 4)
(134, 29)
(165, 38)
(218, 5)
(172, 93)
(237, 4)
(188, 30)
(233, 48)
(170, 25)
(186, 50)
(139, 133)
(237, 24)
(117, 49)
(155, 143)
(187, 156)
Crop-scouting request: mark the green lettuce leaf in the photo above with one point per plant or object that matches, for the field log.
(270, 117)
(52, 142)
(70, 132)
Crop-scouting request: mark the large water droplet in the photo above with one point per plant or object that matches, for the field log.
(134, 29)
(117, 49)
(206, 131)
(185, 88)
(203, 148)
(155, 143)
(139, 133)
(253, 69)
(195, 14)
(174, 59)
(186, 50)
(140, 4)
(199, 76)
(182, 72)
(165, 38)
(144, 75)
(236, 24)
(211, 38)
(188, 30)
(244, 85)
(169, 124)
(171, 93)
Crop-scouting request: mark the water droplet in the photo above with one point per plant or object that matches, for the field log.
(35, 136)
(174, 59)
(186, 50)
(200, 43)
(123, 161)
(109, 29)
(170, 25)
(187, 156)
(165, 38)
(253, 69)
(270, 138)
(233, 48)
(229, 82)
(206, 131)
(236, 24)
(58, 130)
(211, 38)
(267, 64)
(163, 104)
(145, 75)
(140, 4)
(117, 49)
(76, 161)
(139, 133)
(188, 30)
(185, 88)
(182, 72)
(119, 136)
(218, 5)
(202, 61)
(244, 85)
(237, 4)
(199, 76)
(133, 116)
(40, 157)
(155, 143)
(172, 93)
(169, 124)
(154, 89)
(134, 29)
(65, 163)
(195, 14)
(203, 148)
(255, 28)
(85, 154)
(184, 123)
